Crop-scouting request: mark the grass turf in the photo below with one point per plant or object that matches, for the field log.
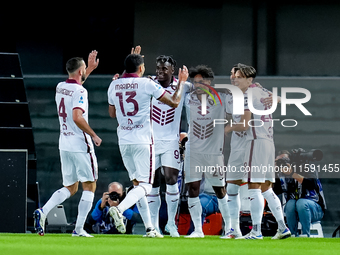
(64, 244)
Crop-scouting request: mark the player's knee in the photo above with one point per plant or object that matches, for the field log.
(146, 186)
(170, 175)
(233, 189)
(171, 180)
(220, 192)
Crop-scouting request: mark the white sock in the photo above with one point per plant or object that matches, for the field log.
(172, 198)
(256, 209)
(274, 205)
(84, 208)
(144, 212)
(57, 198)
(234, 205)
(154, 201)
(195, 209)
(223, 206)
(132, 197)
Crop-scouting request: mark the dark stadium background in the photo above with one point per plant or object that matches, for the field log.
(290, 43)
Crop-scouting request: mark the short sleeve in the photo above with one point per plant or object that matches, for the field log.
(80, 100)
(109, 94)
(155, 89)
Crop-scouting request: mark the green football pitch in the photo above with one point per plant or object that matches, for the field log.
(63, 244)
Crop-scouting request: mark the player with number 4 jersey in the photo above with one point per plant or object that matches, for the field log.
(78, 161)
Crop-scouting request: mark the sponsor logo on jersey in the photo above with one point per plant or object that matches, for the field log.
(129, 128)
(81, 100)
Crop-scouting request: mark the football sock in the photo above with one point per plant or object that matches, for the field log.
(131, 198)
(57, 198)
(234, 205)
(154, 201)
(171, 198)
(144, 212)
(84, 208)
(274, 205)
(223, 207)
(195, 209)
(256, 209)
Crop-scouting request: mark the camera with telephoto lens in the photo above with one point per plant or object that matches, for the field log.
(300, 156)
(114, 196)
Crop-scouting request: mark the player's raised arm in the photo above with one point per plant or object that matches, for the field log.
(92, 63)
(174, 100)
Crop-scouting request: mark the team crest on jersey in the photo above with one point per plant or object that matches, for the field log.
(203, 131)
(200, 110)
(163, 117)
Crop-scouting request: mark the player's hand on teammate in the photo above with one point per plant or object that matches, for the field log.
(183, 74)
(115, 77)
(97, 141)
(268, 101)
(227, 129)
(93, 61)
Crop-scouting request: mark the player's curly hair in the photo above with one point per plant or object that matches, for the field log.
(164, 59)
(205, 71)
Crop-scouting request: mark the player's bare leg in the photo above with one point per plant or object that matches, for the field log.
(195, 209)
(275, 207)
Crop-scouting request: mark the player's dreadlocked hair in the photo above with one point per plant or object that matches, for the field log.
(205, 71)
(169, 59)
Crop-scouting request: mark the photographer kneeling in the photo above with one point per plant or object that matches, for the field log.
(302, 188)
(102, 222)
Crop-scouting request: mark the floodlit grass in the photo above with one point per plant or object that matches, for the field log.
(63, 244)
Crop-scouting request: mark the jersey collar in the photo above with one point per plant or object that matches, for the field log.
(71, 81)
(128, 75)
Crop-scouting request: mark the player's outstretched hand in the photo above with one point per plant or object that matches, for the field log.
(183, 74)
(137, 50)
(93, 61)
(97, 141)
